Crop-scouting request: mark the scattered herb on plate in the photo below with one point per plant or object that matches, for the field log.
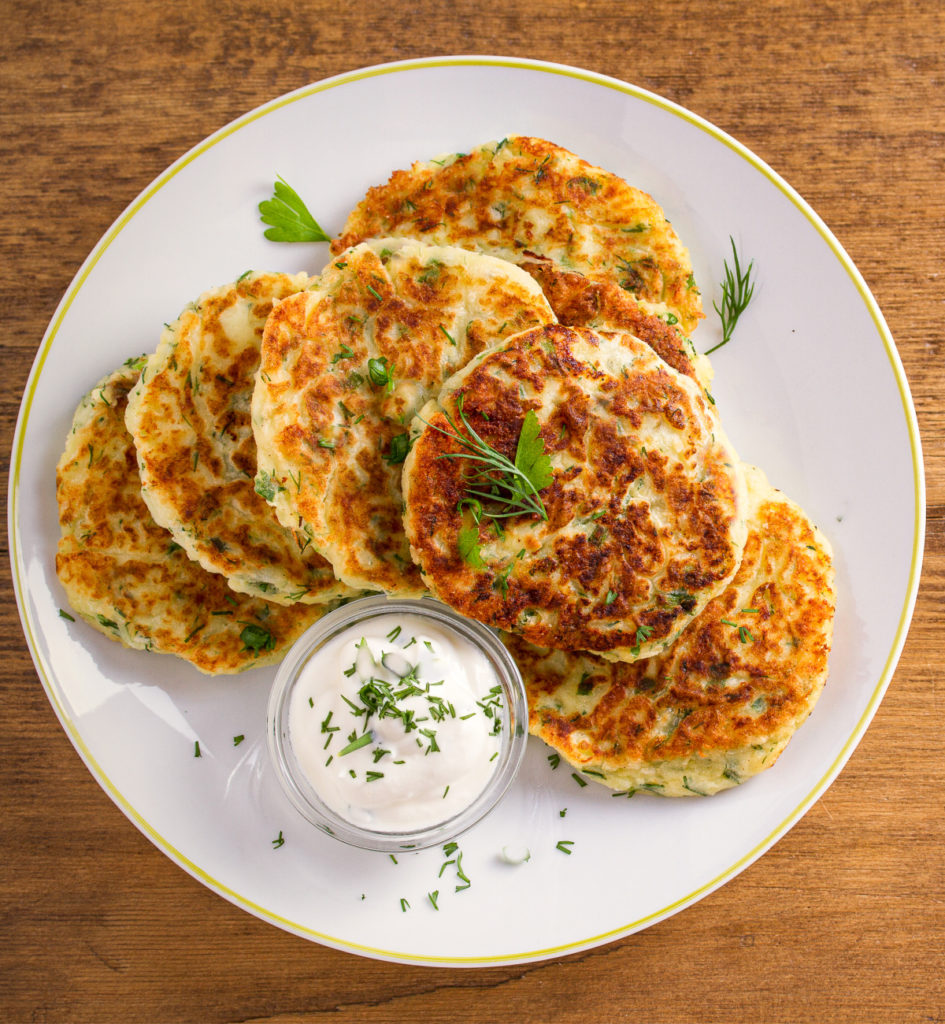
(289, 217)
(737, 290)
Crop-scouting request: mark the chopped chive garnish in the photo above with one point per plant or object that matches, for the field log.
(362, 741)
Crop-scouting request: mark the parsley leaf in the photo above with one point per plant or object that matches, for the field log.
(467, 543)
(530, 455)
(289, 217)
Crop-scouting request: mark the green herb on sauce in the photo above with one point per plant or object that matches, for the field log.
(356, 742)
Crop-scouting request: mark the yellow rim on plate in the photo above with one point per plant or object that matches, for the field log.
(51, 685)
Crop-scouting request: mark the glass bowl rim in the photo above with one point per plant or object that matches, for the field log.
(514, 734)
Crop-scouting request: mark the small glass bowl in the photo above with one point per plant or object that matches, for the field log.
(513, 736)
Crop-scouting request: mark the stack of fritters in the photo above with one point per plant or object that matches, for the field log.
(345, 367)
(303, 440)
(128, 577)
(673, 630)
(189, 415)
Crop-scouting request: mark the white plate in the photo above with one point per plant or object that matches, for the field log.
(810, 388)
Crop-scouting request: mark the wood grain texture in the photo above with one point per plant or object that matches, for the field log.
(844, 919)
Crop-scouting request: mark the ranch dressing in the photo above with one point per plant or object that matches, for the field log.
(397, 723)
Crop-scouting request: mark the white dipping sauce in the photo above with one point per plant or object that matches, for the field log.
(397, 729)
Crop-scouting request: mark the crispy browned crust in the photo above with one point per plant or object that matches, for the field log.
(724, 700)
(125, 575)
(326, 430)
(645, 503)
(580, 301)
(486, 199)
(190, 420)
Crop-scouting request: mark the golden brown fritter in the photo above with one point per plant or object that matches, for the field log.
(189, 416)
(645, 511)
(127, 577)
(525, 196)
(602, 305)
(346, 364)
(722, 703)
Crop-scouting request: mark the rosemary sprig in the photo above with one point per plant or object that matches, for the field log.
(737, 289)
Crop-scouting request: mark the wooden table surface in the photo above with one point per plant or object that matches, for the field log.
(844, 919)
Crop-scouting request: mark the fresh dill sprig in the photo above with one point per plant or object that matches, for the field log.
(514, 485)
(289, 217)
(509, 488)
(737, 289)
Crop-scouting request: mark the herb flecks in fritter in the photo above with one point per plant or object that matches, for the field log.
(641, 494)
